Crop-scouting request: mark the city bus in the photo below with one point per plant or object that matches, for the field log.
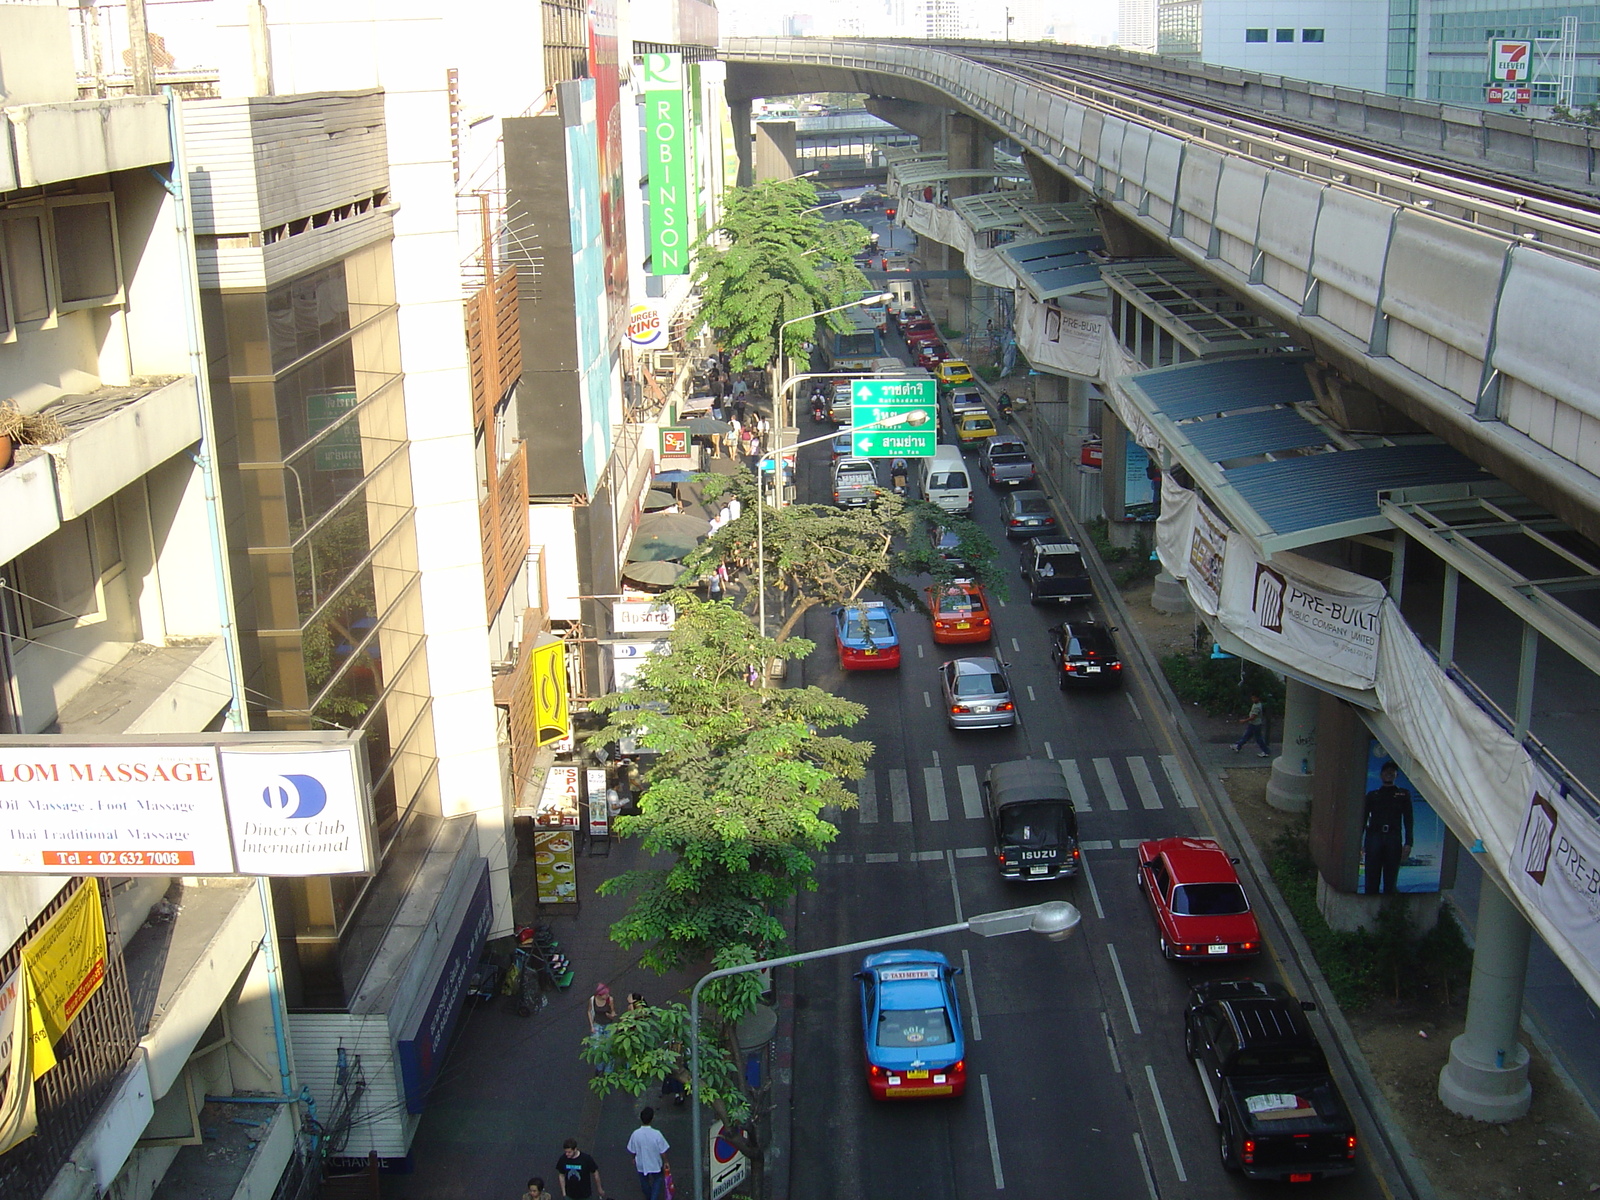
(858, 347)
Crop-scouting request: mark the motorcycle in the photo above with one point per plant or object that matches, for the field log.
(897, 476)
(1005, 407)
(819, 409)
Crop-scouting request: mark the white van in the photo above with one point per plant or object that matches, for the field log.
(943, 480)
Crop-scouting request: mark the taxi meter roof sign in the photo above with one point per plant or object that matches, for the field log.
(893, 418)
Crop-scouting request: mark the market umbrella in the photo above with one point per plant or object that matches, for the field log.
(673, 526)
(706, 426)
(672, 477)
(654, 547)
(655, 501)
(654, 574)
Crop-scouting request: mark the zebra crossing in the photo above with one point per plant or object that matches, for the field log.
(887, 797)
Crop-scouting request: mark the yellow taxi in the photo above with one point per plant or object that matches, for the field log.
(973, 428)
(953, 371)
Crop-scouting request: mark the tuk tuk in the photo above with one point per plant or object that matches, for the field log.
(1034, 824)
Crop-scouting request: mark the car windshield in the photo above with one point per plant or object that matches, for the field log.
(1208, 900)
(875, 627)
(1039, 507)
(1279, 1061)
(959, 602)
(912, 1028)
(980, 683)
(1033, 824)
(948, 479)
(976, 422)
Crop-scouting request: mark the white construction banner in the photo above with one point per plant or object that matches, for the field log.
(1173, 527)
(1319, 620)
(1208, 556)
(1066, 342)
(1557, 864)
(17, 1119)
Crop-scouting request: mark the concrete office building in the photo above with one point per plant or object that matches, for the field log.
(1328, 41)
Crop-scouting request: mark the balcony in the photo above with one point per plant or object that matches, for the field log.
(152, 689)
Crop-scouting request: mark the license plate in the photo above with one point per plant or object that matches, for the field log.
(1038, 870)
(869, 653)
(982, 708)
(917, 1074)
(1216, 949)
(1302, 1177)
(963, 624)
(1092, 670)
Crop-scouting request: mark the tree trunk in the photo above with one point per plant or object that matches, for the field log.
(793, 619)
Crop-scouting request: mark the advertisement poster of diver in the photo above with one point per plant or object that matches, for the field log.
(1422, 869)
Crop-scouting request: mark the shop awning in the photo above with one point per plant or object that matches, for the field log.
(920, 174)
(1052, 267)
(1242, 430)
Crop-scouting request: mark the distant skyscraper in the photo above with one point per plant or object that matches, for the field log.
(1136, 25)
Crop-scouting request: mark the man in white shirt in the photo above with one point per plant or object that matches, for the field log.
(649, 1150)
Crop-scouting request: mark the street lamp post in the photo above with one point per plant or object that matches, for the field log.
(1055, 919)
(912, 418)
(879, 298)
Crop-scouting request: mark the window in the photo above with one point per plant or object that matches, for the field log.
(58, 578)
(1285, 35)
(27, 273)
(1311, 35)
(1255, 35)
(86, 252)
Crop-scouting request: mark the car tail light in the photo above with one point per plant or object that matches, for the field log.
(1248, 1153)
(1006, 707)
(875, 1071)
(1246, 947)
(1350, 1146)
(984, 621)
(1076, 853)
(1003, 859)
(960, 708)
(1116, 666)
(1016, 520)
(959, 1067)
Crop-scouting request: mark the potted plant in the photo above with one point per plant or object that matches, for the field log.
(18, 428)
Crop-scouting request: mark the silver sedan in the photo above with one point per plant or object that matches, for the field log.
(977, 694)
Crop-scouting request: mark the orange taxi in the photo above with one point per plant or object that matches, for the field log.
(960, 614)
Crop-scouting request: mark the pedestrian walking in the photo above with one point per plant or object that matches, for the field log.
(738, 409)
(1255, 727)
(1386, 830)
(536, 1190)
(602, 1016)
(577, 1173)
(649, 1150)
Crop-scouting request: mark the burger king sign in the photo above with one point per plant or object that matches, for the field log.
(645, 327)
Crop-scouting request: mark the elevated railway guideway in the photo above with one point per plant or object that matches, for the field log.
(1445, 260)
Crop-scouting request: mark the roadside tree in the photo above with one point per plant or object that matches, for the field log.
(769, 261)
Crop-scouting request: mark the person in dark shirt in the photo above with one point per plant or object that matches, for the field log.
(575, 1170)
(1385, 833)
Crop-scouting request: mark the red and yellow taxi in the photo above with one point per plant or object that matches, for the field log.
(1200, 908)
(960, 613)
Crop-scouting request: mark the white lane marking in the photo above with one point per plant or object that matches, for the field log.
(1179, 781)
(1130, 843)
(994, 1144)
(867, 798)
(1111, 1044)
(1048, 753)
(936, 758)
(1016, 646)
(899, 797)
(1115, 800)
(927, 700)
(1075, 788)
(971, 798)
(972, 997)
(926, 856)
(881, 858)
(955, 888)
(1001, 603)
(933, 781)
(972, 852)
(1031, 696)
(919, 650)
(1140, 770)
(1127, 996)
(1144, 1161)
(1094, 892)
(1134, 704)
(1095, 845)
(1166, 1125)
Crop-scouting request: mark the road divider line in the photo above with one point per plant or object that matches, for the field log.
(881, 858)
(1166, 1124)
(1031, 696)
(867, 799)
(1133, 704)
(1097, 844)
(994, 1142)
(1016, 646)
(972, 996)
(1048, 752)
(919, 649)
(972, 852)
(899, 797)
(1115, 800)
(1140, 770)
(1179, 781)
(927, 700)
(1129, 843)
(1075, 788)
(1094, 892)
(933, 782)
(935, 758)
(1127, 996)
(955, 888)
(1144, 1161)
(971, 797)
(1111, 1042)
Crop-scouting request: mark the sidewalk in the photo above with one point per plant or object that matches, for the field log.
(513, 1089)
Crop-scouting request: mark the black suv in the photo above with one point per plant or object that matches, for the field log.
(1085, 655)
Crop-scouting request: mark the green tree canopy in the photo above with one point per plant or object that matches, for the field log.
(769, 261)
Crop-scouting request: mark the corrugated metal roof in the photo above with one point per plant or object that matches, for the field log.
(1226, 385)
(1245, 434)
(1051, 267)
(1293, 495)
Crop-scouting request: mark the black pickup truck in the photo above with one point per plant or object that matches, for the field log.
(1053, 570)
(1035, 826)
(1279, 1115)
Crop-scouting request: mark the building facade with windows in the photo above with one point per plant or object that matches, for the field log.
(1328, 41)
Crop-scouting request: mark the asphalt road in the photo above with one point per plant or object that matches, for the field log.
(1078, 1084)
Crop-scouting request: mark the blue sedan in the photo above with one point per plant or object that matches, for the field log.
(841, 444)
(866, 636)
(911, 1025)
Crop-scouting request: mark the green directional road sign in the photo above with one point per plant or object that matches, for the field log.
(893, 418)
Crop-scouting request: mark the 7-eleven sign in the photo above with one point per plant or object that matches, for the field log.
(1510, 61)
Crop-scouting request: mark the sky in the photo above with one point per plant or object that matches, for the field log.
(1088, 21)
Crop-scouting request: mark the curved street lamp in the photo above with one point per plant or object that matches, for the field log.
(876, 298)
(1054, 919)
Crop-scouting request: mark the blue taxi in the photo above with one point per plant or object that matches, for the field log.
(911, 1025)
(867, 637)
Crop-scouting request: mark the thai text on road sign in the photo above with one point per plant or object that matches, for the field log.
(893, 418)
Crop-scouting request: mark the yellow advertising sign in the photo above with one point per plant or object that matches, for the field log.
(66, 961)
(551, 718)
(17, 1118)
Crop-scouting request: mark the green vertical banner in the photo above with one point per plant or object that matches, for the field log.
(667, 153)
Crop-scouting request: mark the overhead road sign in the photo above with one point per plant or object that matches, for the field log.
(893, 418)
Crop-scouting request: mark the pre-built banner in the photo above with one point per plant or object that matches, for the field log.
(1319, 620)
(1557, 864)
